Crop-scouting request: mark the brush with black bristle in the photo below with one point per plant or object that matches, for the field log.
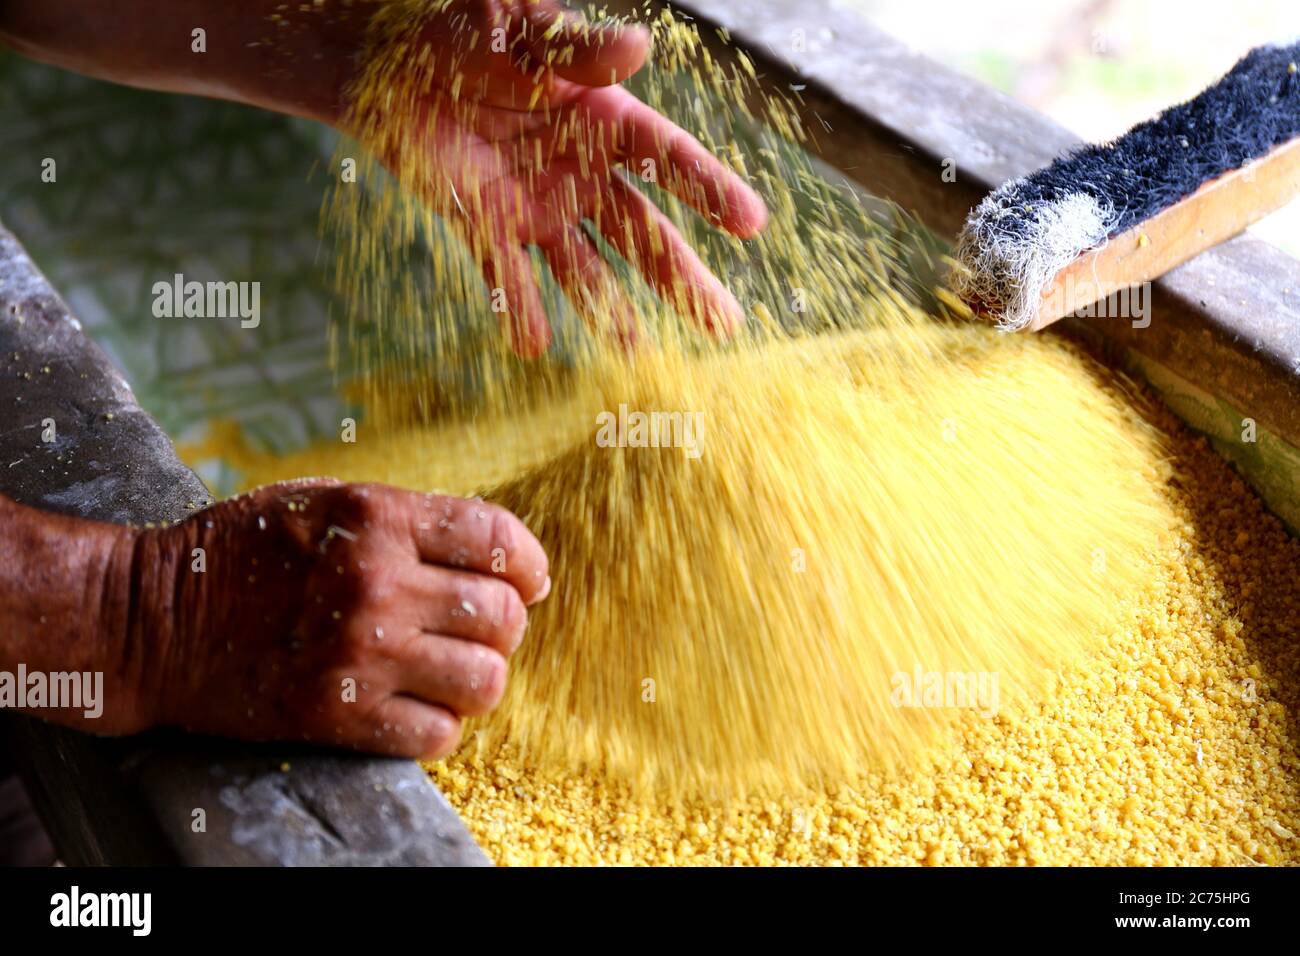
(1107, 217)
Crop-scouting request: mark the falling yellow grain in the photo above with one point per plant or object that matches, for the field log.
(877, 494)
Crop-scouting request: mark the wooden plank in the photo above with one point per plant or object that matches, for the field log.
(1220, 209)
(134, 801)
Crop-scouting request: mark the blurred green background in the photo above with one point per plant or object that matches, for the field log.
(149, 185)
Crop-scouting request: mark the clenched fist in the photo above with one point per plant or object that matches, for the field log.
(357, 615)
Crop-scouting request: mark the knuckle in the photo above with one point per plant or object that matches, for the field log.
(353, 650)
(341, 693)
(466, 595)
(498, 610)
(375, 586)
(511, 618)
(367, 583)
(503, 540)
(347, 694)
(359, 503)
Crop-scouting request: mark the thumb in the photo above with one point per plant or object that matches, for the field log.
(599, 53)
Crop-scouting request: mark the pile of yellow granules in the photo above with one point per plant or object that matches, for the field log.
(1176, 745)
(1173, 742)
(748, 611)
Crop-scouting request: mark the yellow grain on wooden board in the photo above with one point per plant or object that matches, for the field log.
(1176, 744)
(877, 494)
(749, 617)
(1173, 742)
(855, 492)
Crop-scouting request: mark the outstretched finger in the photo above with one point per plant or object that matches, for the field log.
(681, 164)
(647, 238)
(590, 284)
(512, 287)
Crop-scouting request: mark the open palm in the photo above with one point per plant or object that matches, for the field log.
(522, 133)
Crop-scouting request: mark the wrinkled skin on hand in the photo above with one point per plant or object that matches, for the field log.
(357, 615)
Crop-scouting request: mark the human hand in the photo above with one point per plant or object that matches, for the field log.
(500, 84)
(357, 615)
(520, 132)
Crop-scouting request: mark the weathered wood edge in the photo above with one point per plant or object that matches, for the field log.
(890, 118)
(132, 801)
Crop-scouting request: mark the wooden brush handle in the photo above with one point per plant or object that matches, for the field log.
(1217, 211)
